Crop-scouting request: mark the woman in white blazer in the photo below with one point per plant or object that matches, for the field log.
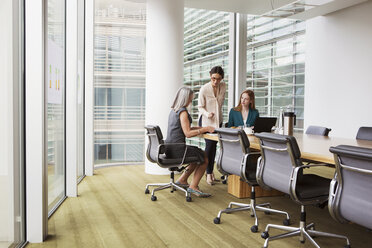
(210, 101)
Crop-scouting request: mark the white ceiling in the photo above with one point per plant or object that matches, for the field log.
(255, 7)
(259, 7)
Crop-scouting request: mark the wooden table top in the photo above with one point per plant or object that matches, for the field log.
(312, 147)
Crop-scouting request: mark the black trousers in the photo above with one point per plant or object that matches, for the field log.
(210, 150)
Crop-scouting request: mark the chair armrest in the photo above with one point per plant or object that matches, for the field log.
(311, 165)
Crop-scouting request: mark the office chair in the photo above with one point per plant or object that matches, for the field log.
(350, 198)
(280, 167)
(156, 153)
(364, 133)
(318, 130)
(236, 159)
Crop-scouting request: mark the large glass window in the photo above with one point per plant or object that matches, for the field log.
(206, 44)
(12, 189)
(119, 82)
(80, 88)
(276, 64)
(55, 106)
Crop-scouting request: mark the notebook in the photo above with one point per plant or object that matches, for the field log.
(264, 124)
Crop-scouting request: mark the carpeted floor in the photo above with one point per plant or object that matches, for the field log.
(113, 211)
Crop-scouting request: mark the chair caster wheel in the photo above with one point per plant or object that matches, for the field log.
(302, 241)
(216, 220)
(347, 246)
(188, 198)
(153, 198)
(286, 222)
(172, 191)
(252, 215)
(267, 212)
(254, 229)
(265, 234)
(222, 177)
(224, 182)
(147, 191)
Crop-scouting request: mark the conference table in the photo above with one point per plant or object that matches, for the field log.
(313, 148)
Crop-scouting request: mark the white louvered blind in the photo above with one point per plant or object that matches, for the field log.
(276, 64)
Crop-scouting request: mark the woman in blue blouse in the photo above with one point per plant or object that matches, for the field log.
(245, 112)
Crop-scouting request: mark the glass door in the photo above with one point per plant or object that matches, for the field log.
(55, 103)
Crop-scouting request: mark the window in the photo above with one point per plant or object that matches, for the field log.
(119, 82)
(276, 64)
(55, 84)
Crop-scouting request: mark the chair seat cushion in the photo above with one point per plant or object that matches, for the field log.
(311, 186)
(172, 162)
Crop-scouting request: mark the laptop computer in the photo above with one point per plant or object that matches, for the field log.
(264, 124)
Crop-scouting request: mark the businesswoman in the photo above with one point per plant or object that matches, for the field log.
(179, 127)
(245, 113)
(211, 98)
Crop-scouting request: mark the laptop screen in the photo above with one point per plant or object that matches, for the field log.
(264, 124)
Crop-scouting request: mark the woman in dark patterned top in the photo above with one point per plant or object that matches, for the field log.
(179, 128)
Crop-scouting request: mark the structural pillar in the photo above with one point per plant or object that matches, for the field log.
(164, 64)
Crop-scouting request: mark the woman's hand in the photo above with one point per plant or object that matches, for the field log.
(211, 114)
(210, 129)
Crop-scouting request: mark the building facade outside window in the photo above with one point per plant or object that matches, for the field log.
(119, 82)
(276, 64)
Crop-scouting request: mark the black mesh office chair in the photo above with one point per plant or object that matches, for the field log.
(318, 130)
(236, 159)
(350, 198)
(280, 167)
(156, 154)
(364, 133)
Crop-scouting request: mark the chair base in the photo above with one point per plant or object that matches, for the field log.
(252, 207)
(173, 187)
(303, 231)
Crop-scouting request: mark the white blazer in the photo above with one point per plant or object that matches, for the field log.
(208, 103)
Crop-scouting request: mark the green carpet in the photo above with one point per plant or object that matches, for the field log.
(113, 211)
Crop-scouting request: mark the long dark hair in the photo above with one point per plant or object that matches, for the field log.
(252, 104)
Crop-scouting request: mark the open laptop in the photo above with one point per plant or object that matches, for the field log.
(264, 124)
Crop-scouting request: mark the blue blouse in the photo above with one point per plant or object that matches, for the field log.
(236, 118)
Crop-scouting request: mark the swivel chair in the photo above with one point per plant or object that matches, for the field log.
(364, 133)
(236, 159)
(318, 130)
(350, 198)
(280, 167)
(156, 153)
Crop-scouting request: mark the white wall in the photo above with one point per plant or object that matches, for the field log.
(338, 89)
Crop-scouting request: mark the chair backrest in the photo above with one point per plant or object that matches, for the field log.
(364, 133)
(155, 139)
(350, 191)
(318, 130)
(234, 146)
(280, 154)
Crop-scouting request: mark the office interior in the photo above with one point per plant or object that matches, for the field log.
(81, 79)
